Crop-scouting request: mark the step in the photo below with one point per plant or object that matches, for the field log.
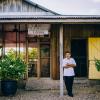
(47, 83)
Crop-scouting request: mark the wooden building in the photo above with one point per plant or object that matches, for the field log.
(34, 33)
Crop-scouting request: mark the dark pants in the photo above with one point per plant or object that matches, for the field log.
(69, 83)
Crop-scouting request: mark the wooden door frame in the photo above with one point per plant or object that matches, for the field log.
(27, 57)
(39, 58)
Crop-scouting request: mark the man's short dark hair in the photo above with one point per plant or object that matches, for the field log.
(67, 52)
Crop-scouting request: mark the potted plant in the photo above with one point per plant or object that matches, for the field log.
(11, 70)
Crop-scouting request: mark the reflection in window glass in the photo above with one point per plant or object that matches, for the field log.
(45, 60)
(33, 59)
(32, 52)
(45, 67)
(45, 51)
(10, 43)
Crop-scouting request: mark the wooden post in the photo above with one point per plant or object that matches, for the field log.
(19, 39)
(26, 52)
(61, 58)
(54, 52)
(27, 58)
(3, 41)
(38, 64)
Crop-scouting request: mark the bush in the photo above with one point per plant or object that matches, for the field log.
(12, 69)
(97, 64)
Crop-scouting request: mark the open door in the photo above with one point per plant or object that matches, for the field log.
(79, 53)
(94, 52)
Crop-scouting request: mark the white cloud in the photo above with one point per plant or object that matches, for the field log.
(94, 11)
(72, 7)
(97, 1)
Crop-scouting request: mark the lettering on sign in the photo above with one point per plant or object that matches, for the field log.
(38, 29)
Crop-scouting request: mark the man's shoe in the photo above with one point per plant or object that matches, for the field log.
(71, 95)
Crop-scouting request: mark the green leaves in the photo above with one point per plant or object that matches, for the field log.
(97, 64)
(13, 69)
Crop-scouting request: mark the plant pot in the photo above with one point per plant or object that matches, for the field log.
(8, 87)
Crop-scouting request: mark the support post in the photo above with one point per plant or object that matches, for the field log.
(26, 52)
(38, 64)
(61, 58)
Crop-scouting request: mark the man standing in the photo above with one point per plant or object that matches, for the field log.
(68, 65)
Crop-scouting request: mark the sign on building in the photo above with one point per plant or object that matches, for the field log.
(38, 29)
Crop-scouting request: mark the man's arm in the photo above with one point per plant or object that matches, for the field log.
(69, 65)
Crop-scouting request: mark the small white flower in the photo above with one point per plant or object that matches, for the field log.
(19, 73)
(11, 66)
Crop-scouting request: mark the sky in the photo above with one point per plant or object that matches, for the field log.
(72, 7)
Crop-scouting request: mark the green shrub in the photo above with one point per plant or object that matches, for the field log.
(12, 69)
(97, 64)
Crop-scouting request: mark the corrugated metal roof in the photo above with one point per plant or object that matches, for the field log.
(30, 16)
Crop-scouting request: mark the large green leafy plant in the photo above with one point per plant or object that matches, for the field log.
(97, 64)
(12, 68)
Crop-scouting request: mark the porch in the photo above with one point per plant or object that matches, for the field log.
(41, 52)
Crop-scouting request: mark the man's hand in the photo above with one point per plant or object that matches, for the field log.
(70, 65)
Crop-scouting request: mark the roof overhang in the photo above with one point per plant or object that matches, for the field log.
(49, 19)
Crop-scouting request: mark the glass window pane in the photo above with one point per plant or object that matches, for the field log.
(45, 51)
(22, 45)
(33, 59)
(10, 43)
(45, 67)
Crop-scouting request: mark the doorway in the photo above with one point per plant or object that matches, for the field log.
(79, 53)
(38, 57)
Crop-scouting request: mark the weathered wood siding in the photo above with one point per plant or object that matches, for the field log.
(66, 37)
(54, 41)
(79, 31)
(20, 6)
